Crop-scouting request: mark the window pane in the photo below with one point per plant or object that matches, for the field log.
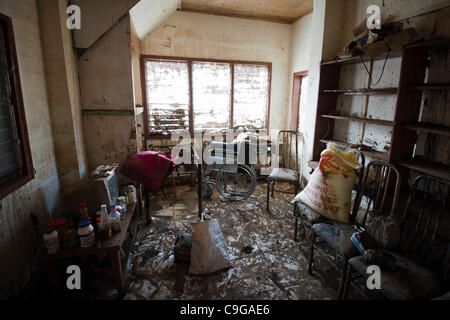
(9, 146)
(211, 94)
(167, 96)
(251, 86)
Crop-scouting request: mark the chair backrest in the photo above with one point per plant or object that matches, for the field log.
(421, 219)
(357, 201)
(287, 148)
(380, 182)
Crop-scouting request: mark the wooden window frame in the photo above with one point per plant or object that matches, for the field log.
(296, 94)
(190, 61)
(19, 112)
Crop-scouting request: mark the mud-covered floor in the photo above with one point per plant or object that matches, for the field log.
(274, 269)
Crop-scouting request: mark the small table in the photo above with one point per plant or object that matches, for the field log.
(111, 246)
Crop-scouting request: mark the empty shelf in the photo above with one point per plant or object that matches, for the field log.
(434, 169)
(364, 120)
(361, 92)
(431, 86)
(371, 153)
(429, 127)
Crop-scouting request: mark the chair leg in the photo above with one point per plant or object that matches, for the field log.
(311, 251)
(296, 223)
(343, 281)
(347, 281)
(268, 193)
(273, 189)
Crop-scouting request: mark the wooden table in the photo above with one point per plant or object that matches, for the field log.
(111, 246)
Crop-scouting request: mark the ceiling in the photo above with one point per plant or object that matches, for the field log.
(281, 11)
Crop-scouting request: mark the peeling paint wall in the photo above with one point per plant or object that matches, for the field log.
(63, 91)
(207, 36)
(106, 82)
(98, 16)
(18, 240)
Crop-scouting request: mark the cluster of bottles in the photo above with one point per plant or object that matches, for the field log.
(61, 231)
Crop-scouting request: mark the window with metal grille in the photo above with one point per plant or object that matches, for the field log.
(211, 95)
(201, 94)
(251, 96)
(15, 157)
(167, 95)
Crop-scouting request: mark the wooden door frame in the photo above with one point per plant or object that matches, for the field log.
(296, 94)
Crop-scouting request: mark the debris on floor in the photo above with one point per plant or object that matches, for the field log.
(266, 262)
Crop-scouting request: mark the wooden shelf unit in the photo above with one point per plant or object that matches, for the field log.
(364, 92)
(357, 119)
(428, 127)
(371, 153)
(434, 169)
(405, 126)
(430, 86)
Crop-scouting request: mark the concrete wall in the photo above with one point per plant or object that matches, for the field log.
(97, 18)
(18, 240)
(207, 36)
(63, 91)
(106, 82)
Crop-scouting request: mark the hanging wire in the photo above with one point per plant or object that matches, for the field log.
(382, 71)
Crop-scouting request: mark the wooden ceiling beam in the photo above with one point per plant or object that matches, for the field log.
(237, 14)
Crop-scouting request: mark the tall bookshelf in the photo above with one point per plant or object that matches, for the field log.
(406, 124)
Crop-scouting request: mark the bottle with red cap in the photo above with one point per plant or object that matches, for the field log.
(84, 213)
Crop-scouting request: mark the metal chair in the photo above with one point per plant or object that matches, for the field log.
(380, 178)
(288, 172)
(308, 217)
(420, 222)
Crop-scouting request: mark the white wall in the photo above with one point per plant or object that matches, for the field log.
(207, 36)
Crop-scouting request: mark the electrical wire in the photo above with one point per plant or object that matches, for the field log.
(382, 71)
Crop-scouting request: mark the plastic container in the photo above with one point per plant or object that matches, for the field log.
(103, 223)
(86, 234)
(58, 224)
(114, 219)
(51, 240)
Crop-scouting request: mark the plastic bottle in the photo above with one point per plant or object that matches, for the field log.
(84, 213)
(122, 202)
(114, 219)
(105, 225)
(51, 240)
(69, 237)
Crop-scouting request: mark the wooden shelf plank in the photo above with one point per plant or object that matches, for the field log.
(364, 92)
(429, 127)
(371, 153)
(364, 120)
(432, 44)
(437, 170)
(357, 59)
(430, 86)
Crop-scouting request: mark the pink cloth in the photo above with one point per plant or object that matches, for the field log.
(149, 168)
